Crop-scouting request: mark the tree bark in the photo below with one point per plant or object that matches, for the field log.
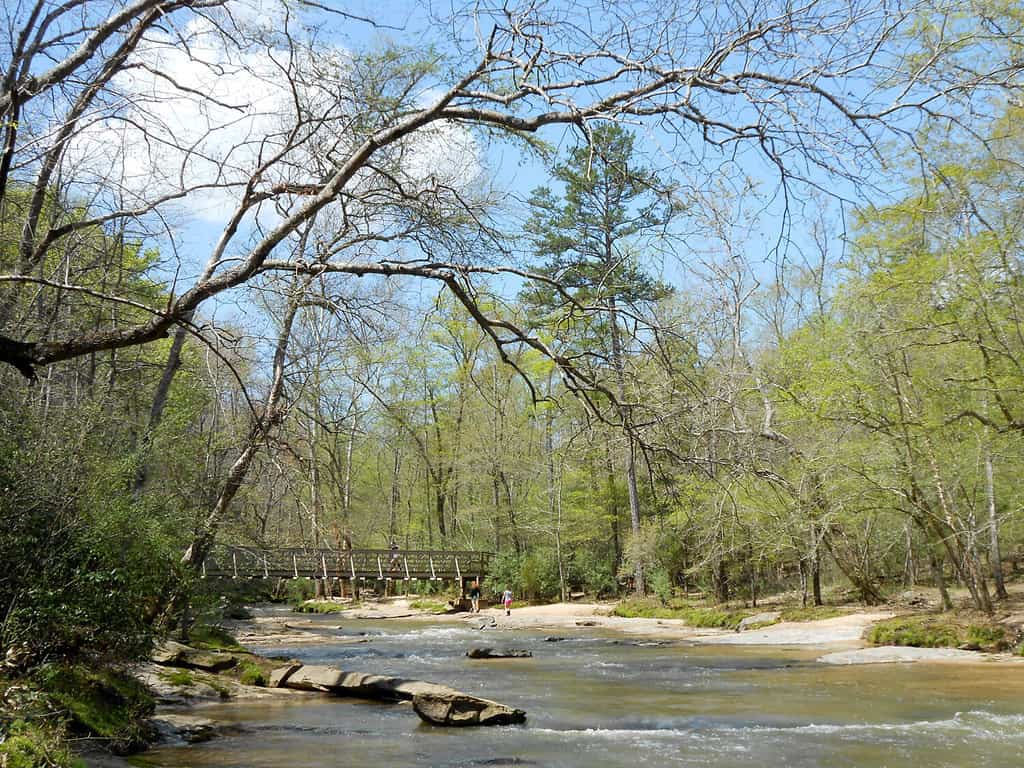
(994, 554)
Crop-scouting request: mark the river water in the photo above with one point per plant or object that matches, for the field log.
(596, 699)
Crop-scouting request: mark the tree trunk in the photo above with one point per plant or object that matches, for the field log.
(994, 555)
(620, 383)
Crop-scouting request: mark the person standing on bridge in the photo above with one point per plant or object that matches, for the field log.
(393, 565)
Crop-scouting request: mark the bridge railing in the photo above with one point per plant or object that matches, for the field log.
(251, 562)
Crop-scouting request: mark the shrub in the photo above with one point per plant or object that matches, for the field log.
(32, 745)
(251, 674)
(811, 613)
(937, 632)
(660, 583)
(694, 617)
(431, 606)
(84, 564)
(213, 638)
(300, 590)
(181, 678)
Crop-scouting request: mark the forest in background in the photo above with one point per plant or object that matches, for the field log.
(760, 328)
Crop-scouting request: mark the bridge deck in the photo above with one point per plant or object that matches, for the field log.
(243, 562)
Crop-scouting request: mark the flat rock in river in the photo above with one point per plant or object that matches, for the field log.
(336, 681)
(897, 653)
(280, 675)
(459, 709)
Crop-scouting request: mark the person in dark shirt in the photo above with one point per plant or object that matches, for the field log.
(474, 597)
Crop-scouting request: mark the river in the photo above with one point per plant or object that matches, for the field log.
(596, 699)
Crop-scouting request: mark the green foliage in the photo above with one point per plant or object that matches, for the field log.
(693, 616)
(659, 581)
(181, 678)
(533, 575)
(812, 613)
(214, 638)
(250, 673)
(987, 635)
(108, 704)
(943, 631)
(35, 745)
(593, 572)
(83, 562)
(300, 590)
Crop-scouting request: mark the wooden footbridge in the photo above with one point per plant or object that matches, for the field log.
(347, 565)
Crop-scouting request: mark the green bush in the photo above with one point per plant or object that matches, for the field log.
(915, 631)
(431, 606)
(659, 581)
(695, 617)
(811, 613)
(84, 565)
(593, 572)
(31, 745)
(937, 632)
(300, 590)
(251, 674)
(213, 638)
(987, 636)
(180, 678)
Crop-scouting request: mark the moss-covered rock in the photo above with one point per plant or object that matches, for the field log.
(108, 704)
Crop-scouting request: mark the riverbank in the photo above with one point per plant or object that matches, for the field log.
(829, 635)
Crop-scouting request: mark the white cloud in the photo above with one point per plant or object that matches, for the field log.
(199, 110)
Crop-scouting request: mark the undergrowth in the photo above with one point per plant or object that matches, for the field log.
(933, 631)
(695, 617)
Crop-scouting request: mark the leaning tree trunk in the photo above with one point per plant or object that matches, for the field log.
(270, 416)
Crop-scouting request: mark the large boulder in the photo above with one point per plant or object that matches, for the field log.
(279, 676)
(172, 654)
(211, 661)
(460, 709)
(498, 653)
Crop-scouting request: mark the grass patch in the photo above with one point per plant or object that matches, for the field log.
(252, 674)
(108, 704)
(812, 613)
(180, 678)
(933, 631)
(694, 617)
(212, 638)
(317, 606)
(431, 606)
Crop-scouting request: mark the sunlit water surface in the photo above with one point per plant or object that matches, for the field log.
(605, 700)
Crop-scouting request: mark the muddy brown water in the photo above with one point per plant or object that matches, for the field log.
(598, 699)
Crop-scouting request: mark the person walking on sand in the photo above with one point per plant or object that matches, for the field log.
(474, 597)
(506, 600)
